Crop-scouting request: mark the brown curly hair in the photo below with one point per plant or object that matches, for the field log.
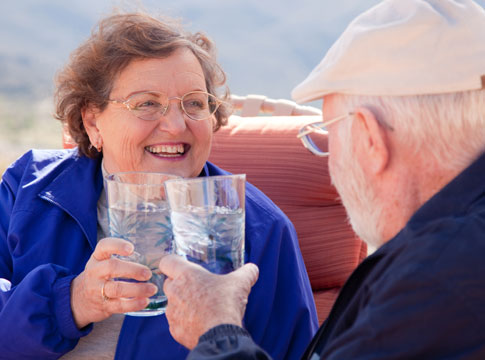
(116, 41)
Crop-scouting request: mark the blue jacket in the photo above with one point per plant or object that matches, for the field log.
(420, 296)
(48, 228)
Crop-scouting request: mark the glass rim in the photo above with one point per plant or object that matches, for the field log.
(208, 178)
(108, 177)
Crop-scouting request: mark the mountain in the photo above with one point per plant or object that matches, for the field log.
(266, 47)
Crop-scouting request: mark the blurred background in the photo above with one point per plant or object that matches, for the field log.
(266, 47)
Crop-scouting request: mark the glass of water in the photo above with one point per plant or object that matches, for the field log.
(139, 213)
(208, 219)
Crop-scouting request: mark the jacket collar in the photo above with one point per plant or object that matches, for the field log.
(76, 190)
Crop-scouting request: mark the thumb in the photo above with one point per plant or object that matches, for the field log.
(172, 265)
(247, 274)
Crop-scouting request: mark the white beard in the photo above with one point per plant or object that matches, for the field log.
(358, 196)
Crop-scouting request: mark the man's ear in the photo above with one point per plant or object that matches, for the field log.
(90, 116)
(371, 141)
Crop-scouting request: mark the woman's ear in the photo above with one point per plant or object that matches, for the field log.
(371, 141)
(214, 123)
(90, 117)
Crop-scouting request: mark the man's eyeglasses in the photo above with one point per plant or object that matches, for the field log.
(311, 135)
(151, 105)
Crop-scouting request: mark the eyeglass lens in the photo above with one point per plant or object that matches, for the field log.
(316, 141)
(150, 106)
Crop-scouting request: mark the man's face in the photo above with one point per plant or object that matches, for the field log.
(356, 191)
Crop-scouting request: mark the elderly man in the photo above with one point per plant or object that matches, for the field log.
(404, 106)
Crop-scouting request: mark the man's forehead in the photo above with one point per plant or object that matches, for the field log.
(330, 101)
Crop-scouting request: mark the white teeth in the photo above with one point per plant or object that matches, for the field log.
(167, 149)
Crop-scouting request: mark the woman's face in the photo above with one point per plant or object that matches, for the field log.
(174, 143)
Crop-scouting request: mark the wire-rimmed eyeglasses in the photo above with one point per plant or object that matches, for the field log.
(151, 105)
(311, 135)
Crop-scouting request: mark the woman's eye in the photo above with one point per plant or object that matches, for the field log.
(195, 104)
(147, 104)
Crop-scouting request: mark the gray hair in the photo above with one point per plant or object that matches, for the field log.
(450, 127)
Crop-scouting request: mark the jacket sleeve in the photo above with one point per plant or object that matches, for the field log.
(35, 314)
(227, 342)
(280, 315)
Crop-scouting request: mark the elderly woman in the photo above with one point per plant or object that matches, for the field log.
(139, 95)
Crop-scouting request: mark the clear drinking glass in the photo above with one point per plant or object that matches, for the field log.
(139, 213)
(208, 219)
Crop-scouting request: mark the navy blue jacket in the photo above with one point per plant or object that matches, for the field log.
(419, 296)
(48, 223)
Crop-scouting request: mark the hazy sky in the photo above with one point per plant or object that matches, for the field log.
(265, 46)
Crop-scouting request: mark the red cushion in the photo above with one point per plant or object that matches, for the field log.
(324, 301)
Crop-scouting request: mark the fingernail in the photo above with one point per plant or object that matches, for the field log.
(143, 302)
(147, 274)
(129, 248)
(154, 289)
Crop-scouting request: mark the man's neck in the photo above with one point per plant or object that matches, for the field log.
(407, 187)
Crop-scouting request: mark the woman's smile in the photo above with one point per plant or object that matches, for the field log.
(176, 151)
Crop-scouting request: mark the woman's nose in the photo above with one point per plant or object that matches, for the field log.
(173, 119)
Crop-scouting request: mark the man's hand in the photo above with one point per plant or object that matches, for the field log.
(199, 300)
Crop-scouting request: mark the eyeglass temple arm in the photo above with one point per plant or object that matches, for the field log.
(322, 125)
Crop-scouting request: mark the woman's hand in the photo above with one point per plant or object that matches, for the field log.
(95, 297)
(199, 300)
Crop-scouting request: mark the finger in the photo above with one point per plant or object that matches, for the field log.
(109, 246)
(124, 305)
(174, 266)
(248, 273)
(117, 268)
(122, 289)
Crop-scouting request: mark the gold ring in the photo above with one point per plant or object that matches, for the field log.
(103, 295)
